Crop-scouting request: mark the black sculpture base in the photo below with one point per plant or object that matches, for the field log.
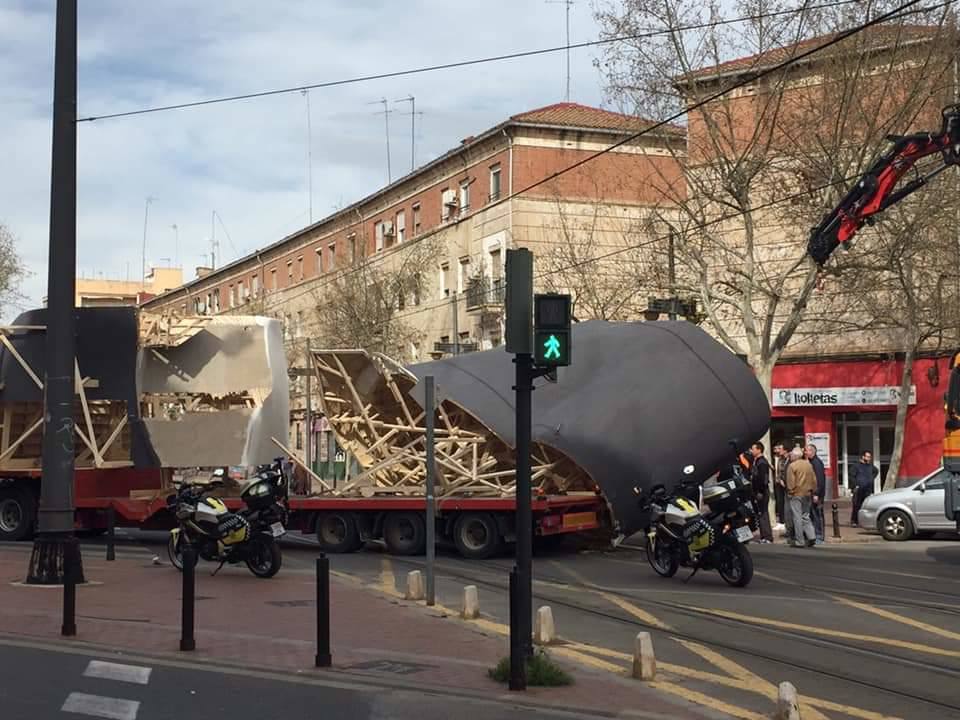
(53, 555)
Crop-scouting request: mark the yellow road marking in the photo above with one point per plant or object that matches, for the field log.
(898, 618)
(620, 602)
(750, 680)
(730, 682)
(768, 576)
(915, 647)
(707, 701)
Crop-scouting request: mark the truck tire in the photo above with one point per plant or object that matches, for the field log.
(337, 532)
(18, 513)
(405, 533)
(477, 536)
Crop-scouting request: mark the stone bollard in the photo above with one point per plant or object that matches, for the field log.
(414, 585)
(544, 631)
(644, 661)
(470, 609)
(788, 706)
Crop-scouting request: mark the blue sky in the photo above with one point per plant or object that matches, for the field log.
(247, 160)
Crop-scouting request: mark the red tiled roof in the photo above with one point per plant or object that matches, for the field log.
(576, 115)
(878, 36)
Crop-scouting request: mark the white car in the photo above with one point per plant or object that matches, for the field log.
(909, 511)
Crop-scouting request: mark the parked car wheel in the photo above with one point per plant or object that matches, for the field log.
(895, 525)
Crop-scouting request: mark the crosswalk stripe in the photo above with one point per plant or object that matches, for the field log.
(99, 706)
(116, 671)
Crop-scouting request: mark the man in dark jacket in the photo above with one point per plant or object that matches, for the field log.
(862, 477)
(819, 495)
(760, 480)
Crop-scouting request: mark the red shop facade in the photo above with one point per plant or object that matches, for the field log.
(846, 407)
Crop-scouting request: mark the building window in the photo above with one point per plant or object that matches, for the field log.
(332, 249)
(352, 246)
(245, 291)
(255, 284)
(463, 276)
(273, 279)
(448, 200)
(289, 272)
(319, 252)
(300, 268)
(416, 219)
(378, 231)
(494, 182)
(401, 227)
(208, 306)
(445, 280)
(233, 296)
(464, 196)
(298, 328)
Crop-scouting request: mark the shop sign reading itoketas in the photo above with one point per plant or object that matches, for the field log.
(840, 396)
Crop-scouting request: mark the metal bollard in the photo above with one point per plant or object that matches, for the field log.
(323, 658)
(111, 535)
(836, 521)
(187, 641)
(70, 551)
(518, 660)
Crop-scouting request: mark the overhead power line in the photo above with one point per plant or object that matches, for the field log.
(461, 63)
(901, 11)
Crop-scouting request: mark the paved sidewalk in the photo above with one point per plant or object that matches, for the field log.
(133, 605)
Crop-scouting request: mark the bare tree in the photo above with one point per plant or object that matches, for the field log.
(750, 195)
(605, 261)
(12, 270)
(362, 306)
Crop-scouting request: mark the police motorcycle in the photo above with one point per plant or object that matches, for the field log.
(678, 534)
(249, 536)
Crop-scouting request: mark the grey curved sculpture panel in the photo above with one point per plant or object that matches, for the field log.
(639, 403)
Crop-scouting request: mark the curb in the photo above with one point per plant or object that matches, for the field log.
(336, 678)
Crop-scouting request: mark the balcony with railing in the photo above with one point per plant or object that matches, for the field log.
(485, 293)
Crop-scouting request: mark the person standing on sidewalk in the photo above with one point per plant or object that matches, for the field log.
(801, 484)
(760, 480)
(782, 459)
(864, 473)
(819, 495)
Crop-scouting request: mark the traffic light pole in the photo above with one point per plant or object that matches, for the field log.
(524, 390)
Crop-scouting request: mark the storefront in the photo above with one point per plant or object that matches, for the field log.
(846, 408)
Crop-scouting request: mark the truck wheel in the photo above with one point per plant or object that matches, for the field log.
(477, 536)
(18, 512)
(405, 533)
(337, 532)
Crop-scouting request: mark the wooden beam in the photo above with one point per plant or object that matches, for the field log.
(92, 440)
(9, 451)
(300, 461)
(19, 358)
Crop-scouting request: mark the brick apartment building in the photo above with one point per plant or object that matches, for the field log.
(463, 203)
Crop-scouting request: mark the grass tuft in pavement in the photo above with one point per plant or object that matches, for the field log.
(541, 671)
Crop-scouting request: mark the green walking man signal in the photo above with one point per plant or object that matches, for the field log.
(551, 330)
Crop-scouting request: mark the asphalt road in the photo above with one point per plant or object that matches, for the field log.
(43, 684)
(862, 630)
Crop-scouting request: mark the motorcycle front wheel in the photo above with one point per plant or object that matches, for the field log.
(174, 550)
(735, 564)
(264, 558)
(664, 562)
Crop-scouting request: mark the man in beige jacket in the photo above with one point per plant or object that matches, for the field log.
(801, 484)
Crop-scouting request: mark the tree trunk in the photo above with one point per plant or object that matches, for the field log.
(903, 405)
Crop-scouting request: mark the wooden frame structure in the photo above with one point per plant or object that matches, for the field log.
(100, 425)
(369, 402)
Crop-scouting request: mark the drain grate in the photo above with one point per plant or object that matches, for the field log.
(390, 666)
(290, 603)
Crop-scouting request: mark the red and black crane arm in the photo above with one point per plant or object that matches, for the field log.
(878, 188)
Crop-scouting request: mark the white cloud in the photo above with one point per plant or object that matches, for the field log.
(247, 159)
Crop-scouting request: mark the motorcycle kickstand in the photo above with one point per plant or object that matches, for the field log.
(218, 568)
(690, 576)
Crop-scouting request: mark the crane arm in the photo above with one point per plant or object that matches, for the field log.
(877, 189)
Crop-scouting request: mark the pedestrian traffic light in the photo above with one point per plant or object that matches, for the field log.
(551, 330)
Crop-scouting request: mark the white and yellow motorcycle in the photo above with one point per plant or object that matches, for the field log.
(218, 535)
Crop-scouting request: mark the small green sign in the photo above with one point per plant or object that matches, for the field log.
(552, 347)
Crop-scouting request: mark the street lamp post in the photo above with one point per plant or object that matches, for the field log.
(55, 552)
